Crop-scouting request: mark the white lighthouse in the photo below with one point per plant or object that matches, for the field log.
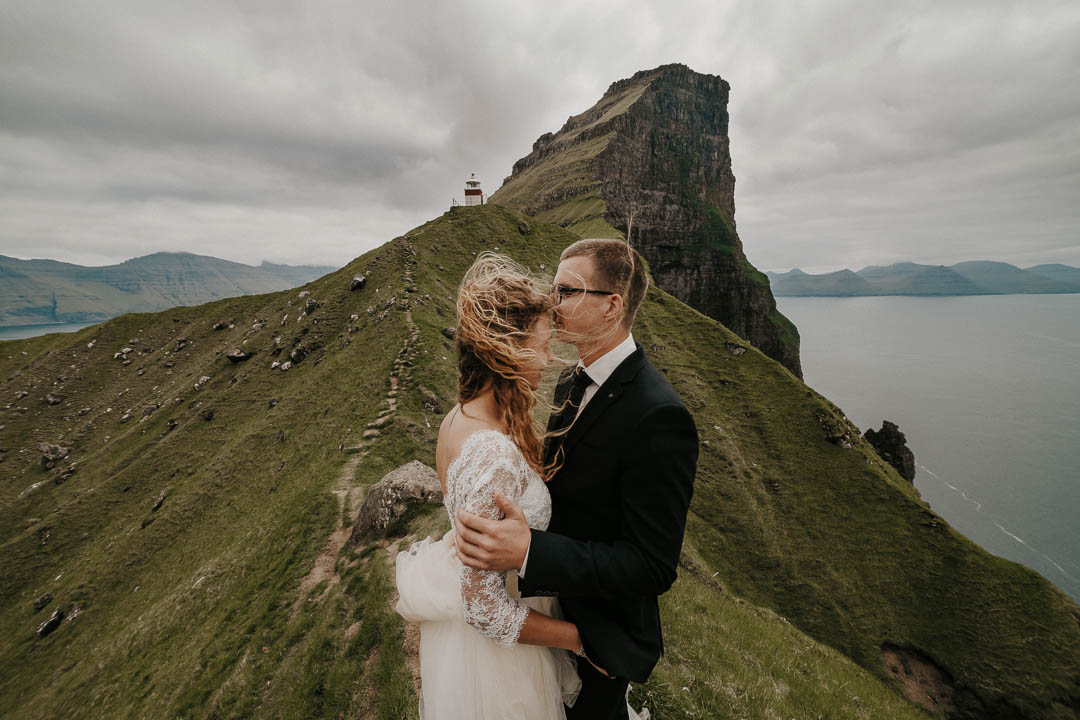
(473, 194)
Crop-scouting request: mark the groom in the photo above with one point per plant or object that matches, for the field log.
(620, 498)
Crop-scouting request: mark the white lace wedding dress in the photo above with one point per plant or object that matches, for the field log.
(471, 666)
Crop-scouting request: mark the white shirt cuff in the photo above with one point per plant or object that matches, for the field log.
(521, 572)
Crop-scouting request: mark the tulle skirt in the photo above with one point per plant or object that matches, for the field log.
(465, 675)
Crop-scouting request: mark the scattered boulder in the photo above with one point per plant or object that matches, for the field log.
(83, 411)
(157, 503)
(836, 430)
(208, 415)
(42, 602)
(53, 399)
(237, 355)
(449, 333)
(286, 365)
(179, 344)
(310, 305)
(51, 454)
(735, 348)
(430, 401)
(52, 623)
(391, 497)
(891, 444)
(220, 326)
(64, 474)
(358, 282)
(524, 229)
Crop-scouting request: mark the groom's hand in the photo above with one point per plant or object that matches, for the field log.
(493, 544)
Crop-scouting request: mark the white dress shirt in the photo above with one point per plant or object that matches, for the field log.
(598, 371)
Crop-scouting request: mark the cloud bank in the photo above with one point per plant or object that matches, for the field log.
(310, 133)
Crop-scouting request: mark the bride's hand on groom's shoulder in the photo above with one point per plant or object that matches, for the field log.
(493, 544)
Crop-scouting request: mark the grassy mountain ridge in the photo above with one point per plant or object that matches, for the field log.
(40, 291)
(977, 277)
(799, 551)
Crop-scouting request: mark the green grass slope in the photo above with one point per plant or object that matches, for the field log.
(812, 572)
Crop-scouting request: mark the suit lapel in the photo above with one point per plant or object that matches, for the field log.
(606, 396)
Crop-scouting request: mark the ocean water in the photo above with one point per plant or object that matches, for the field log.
(987, 391)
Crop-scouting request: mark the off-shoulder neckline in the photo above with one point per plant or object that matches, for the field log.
(469, 440)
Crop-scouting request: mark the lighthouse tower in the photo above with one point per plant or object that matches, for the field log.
(473, 194)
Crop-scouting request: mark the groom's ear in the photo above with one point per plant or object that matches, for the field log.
(614, 310)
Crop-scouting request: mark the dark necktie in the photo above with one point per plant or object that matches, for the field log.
(579, 380)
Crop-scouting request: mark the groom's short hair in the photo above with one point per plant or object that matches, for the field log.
(619, 268)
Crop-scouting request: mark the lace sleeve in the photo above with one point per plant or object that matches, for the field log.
(491, 466)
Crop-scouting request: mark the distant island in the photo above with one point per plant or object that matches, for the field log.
(49, 291)
(976, 277)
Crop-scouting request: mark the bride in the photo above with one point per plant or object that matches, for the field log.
(485, 652)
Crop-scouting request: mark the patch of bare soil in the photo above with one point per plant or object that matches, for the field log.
(920, 679)
(325, 567)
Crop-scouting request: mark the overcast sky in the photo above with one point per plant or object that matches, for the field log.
(861, 133)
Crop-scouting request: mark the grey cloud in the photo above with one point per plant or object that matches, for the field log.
(861, 133)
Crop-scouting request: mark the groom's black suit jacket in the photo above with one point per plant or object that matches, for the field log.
(619, 505)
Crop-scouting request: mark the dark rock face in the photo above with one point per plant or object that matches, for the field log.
(891, 445)
(666, 164)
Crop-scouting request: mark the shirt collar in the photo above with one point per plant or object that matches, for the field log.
(602, 367)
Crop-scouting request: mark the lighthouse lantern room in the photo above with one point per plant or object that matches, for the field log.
(473, 194)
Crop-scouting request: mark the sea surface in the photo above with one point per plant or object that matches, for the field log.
(987, 391)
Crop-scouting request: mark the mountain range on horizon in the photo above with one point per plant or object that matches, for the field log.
(975, 277)
(50, 291)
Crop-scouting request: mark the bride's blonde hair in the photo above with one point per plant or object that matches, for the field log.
(498, 303)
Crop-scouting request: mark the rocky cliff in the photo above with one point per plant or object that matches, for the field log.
(655, 148)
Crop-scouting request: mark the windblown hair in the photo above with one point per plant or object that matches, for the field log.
(498, 303)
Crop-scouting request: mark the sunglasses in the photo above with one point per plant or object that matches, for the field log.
(562, 292)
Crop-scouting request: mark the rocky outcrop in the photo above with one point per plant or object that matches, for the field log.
(391, 497)
(891, 445)
(652, 156)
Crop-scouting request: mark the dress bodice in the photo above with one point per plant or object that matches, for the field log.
(490, 461)
(488, 457)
